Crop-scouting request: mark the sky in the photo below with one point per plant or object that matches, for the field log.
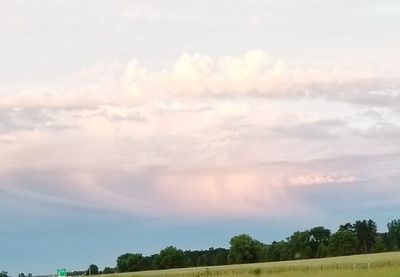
(129, 126)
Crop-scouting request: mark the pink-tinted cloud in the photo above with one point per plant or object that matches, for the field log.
(254, 73)
(230, 192)
(314, 179)
(197, 75)
(222, 195)
(201, 112)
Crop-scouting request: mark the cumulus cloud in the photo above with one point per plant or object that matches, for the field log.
(163, 126)
(253, 74)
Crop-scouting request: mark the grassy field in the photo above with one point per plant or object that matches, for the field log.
(372, 265)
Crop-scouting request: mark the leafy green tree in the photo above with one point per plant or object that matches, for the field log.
(299, 245)
(221, 258)
(319, 240)
(244, 249)
(278, 251)
(76, 273)
(129, 262)
(261, 250)
(394, 234)
(380, 244)
(322, 251)
(155, 261)
(92, 270)
(342, 243)
(171, 257)
(366, 232)
(3, 274)
(346, 227)
(122, 262)
(145, 263)
(320, 234)
(108, 270)
(134, 262)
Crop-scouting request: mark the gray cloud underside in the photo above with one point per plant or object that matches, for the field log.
(140, 192)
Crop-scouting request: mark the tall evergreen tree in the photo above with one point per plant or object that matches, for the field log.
(394, 234)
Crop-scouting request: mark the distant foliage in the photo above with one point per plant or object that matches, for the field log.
(108, 270)
(359, 237)
(76, 273)
(244, 249)
(343, 243)
(92, 270)
(393, 237)
(124, 262)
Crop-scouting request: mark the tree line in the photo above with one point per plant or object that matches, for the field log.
(360, 237)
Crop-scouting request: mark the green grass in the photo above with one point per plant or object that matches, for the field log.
(381, 265)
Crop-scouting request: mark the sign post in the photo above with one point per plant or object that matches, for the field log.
(61, 272)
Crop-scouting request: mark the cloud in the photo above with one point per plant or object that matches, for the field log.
(253, 74)
(228, 136)
(206, 193)
(222, 194)
(30, 119)
(306, 180)
(259, 191)
(310, 129)
(117, 116)
(78, 98)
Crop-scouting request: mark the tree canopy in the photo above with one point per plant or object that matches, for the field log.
(244, 249)
(351, 238)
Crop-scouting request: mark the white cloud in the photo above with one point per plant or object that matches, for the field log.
(312, 179)
(254, 74)
(237, 112)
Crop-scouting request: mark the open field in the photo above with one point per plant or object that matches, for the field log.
(371, 265)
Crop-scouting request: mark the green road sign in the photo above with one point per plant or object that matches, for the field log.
(62, 272)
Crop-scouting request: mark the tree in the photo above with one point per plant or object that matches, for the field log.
(3, 274)
(108, 270)
(394, 234)
(342, 243)
(299, 245)
(122, 262)
(155, 261)
(261, 251)
(380, 243)
(221, 258)
(346, 227)
(319, 240)
(129, 262)
(171, 257)
(134, 262)
(278, 251)
(92, 270)
(320, 234)
(366, 232)
(244, 249)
